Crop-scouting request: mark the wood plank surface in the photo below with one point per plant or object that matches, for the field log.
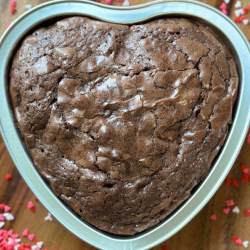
(200, 234)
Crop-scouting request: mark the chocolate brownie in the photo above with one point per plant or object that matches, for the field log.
(123, 121)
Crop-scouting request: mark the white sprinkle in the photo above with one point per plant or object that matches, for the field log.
(245, 243)
(239, 12)
(126, 3)
(8, 216)
(18, 240)
(39, 244)
(34, 247)
(2, 224)
(236, 210)
(238, 4)
(28, 6)
(16, 247)
(227, 1)
(48, 217)
(245, 21)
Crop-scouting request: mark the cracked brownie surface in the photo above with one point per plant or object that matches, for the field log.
(123, 121)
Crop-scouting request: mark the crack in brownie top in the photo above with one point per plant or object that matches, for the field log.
(123, 121)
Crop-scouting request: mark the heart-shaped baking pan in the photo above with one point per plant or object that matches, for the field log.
(52, 11)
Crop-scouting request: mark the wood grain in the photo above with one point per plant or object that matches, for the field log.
(200, 234)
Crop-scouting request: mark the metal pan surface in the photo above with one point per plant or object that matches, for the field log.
(231, 35)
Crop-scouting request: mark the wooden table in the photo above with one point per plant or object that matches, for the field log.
(200, 234)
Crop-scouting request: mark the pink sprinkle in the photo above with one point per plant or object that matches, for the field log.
(223, 6)
(238, 241)
(7, 26)
(224, 11)
(245, 170)
(15, 236)
(226, 210)
(31, 237)
(213, 217)
(30, 205)
(7, 209)
(1, 217)
(248, 138)
(10, 232)
(230, 203)
(108, 1)
(25, 233)
(13, 3)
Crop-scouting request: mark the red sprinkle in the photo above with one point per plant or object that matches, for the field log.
(2, 206)
(12, 10)
(163, 248)
(244, 177)
(228, 181)
(237, 19)
(248, 138)
(243, 166)
(35, 199)
(234, 182)
(246, 213)
(8, 177)
(242, 18)
(245, 10)
(234, 238)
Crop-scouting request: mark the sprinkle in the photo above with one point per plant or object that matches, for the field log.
(227, 1)
(229, 203)
(226, 210)
(245, 10)
(28, 6)
(8, 177)
(238, 241)
(48, 217)
(237, 19)
(7, 208)
(245, 170)
(245, 243)
(239, 12)
(246, 213)
(228, 181)
(234, 238)
(248, 138)
(2, 223)
(39, 244)
(35, 199)
(31, 207)
(126, 3)
(163, 248)
(238, 4)
(242, 166)
(242, 18)
(15, 236)
(31, 237)
(1, 217)
(223, 6)
(213, 217)
(246, 22)
(234, 182)
(8, 216)
(236, 210)
(244, 177)
(108, 1)
(224, 11)
(13, 3)
(12, 10)
(25, 233)
(2, 206)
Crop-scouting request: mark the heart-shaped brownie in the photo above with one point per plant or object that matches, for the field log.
(123, 121)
